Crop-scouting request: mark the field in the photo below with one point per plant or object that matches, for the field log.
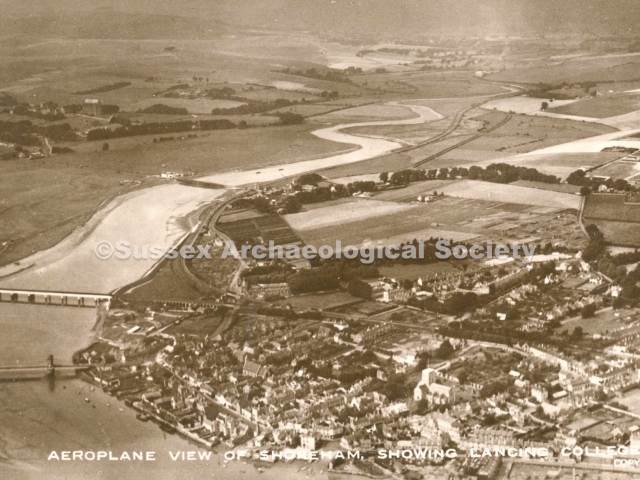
(554, 187)
(267, 227)
(322, 301)
(375, 111)
(616, 170)
(618, 233)
(631, 400)
(457, 219)
(353, 211)
(200, 105)
(43, 203)
(196, 327)
(410, 193)
(412, 272)
(611, 207)
(214, 151)
(605, 68)
(600, 107)
(510, 193)
(604, 322)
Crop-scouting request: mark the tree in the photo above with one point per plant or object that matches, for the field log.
(584, 191)
(588, 311)
(384, 177)
(577, 334)
(290, 118)
(422, 407)
(242, 124)
(105, 146)
(445, 350)
(544, 106)
(361, 289)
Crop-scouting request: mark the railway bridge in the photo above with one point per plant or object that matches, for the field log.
(39, 297)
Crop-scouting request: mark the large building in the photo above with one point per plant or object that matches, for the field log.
(434, 389)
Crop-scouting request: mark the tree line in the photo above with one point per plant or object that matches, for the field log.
(155, 128)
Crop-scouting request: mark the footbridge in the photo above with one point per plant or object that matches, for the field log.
(39, 297)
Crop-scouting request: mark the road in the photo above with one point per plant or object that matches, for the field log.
(211, 216)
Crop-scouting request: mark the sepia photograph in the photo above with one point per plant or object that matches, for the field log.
(320, 239)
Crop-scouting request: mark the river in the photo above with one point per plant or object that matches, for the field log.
(369, 147)
(153, 216)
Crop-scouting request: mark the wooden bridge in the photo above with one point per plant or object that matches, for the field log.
(72, 299)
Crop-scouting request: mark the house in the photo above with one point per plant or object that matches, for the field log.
(92, 106)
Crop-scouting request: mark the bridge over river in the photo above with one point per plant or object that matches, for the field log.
(72, 299)
(33, 372)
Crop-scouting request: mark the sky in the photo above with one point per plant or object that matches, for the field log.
(370, 17)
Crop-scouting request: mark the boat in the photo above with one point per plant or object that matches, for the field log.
(167, 428)
(86, 399)
(143, 417)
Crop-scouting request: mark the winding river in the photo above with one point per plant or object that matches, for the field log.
(370, 147)
(156, 216)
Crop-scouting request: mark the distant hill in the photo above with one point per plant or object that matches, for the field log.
(104, 23)
(198, 18)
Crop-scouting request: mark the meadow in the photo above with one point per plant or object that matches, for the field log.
(601, 107)
(620, 169)
(618, 233)
(210, 152)
(611, 207)
(605, 68)
(511, 193)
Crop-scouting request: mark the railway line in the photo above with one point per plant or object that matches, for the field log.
(464, 142)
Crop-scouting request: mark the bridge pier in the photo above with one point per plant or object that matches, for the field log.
(51, 369)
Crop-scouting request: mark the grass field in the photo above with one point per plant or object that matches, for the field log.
(511, 193)
(618, 233)
(411, 192)
(618, 170)
(554, 187)
(613, 68)
(321, 301)
(559, 164)
(211, 152)
(603, 322)
(199, 105)
(42, 203)
(601, 107)
(412, 272)
(451, 218)
(344, 213)
(611, 207)
(368, 111)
